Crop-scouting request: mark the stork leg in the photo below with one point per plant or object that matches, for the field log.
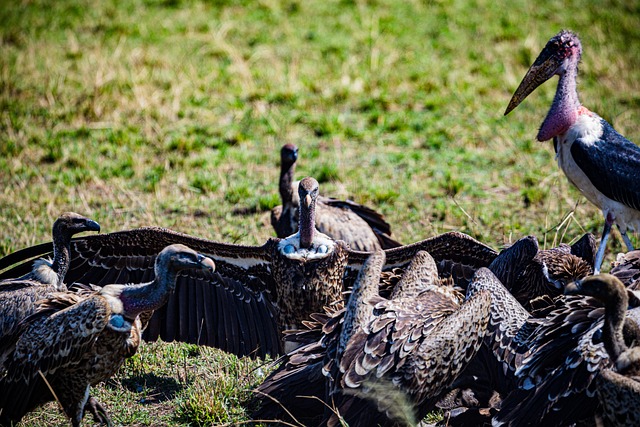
(603, 244)
(627, 240)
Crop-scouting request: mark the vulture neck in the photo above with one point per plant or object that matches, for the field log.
(612, 330)
(359, 310)
(307, 223)
(149, 296)
(287, 171)
(61, 256)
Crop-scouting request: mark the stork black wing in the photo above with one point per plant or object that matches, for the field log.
(612, 164)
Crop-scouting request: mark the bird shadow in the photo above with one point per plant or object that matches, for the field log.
(246, 210)
(157, 388)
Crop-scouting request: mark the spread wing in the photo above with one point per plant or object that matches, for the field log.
(231, 309)
(556, 379)
(456, 254)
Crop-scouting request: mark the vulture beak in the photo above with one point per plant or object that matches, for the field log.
(307, 201)
(544, 67)
(92, 225)
(206, 263)
(573, 288)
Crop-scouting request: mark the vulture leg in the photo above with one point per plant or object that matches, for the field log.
(97, 410)
(72, 396)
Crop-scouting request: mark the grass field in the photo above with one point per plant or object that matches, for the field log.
(172, 113)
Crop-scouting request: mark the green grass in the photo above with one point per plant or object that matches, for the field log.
(172, 113)
(171, 384)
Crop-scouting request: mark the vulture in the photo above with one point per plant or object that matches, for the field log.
(297, 390)
(256, 291)
(75, 340)
(18, 295)
(524, 278)
(398, 365)
(52, 272)
(362, 228)
(617, 387)
(565, 348)
(529, 273)
(476, 394)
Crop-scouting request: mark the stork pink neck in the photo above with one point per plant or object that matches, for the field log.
(566, 107)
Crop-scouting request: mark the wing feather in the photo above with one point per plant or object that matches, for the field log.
(612, 164)
(57, 338)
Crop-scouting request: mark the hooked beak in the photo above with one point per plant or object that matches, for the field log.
(206, 263)
(307, 201)
(544, 67)
(573, 288)
(92, 225)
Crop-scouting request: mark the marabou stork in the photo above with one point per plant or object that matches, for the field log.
(601, 163)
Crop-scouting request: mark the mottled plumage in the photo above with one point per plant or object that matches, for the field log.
(627, 268)
(235, 308)
(297, 389)
(490, 374)
(529, 273)
(362, 228)
(564, 354)
(619, 396)
(596, 159)
(18, 296)
(617, 388)
(396, 368)
(550, 270)
(76, 340)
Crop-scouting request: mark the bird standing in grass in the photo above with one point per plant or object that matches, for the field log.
(19, 295)
(77, 339)
(601, 163)
(361, 227)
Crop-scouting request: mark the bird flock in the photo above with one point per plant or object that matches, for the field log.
(365, 330)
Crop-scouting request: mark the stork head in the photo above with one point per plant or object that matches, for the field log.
(562, 51)
(288, 155)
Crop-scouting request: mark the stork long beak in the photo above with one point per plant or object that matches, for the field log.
(544, 67)
(573, 288)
